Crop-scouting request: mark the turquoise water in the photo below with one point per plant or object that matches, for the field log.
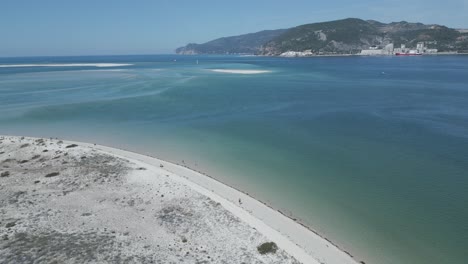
(370, 152)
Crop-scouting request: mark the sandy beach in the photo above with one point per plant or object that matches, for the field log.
(80, 202)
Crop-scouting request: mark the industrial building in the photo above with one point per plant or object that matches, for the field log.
(390, 50)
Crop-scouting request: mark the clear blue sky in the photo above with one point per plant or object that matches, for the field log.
(90, 27)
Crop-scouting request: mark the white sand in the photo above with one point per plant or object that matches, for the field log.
(235, 71)
(296, 240)
(107, 70)
(65, 65)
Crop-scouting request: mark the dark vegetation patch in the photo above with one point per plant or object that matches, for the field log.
(24, 145)
(102, 166)
(268, 247)
(174, 215)
(72, 146)
(16, 196)
(55, 247)
(5, 174)
(52, 174)
(11, 224)
(95, 169)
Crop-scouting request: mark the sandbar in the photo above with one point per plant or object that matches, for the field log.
(236, 71)
(65, 65)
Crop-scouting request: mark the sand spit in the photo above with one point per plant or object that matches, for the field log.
(78, 202)
(240, 71)
(65, 65)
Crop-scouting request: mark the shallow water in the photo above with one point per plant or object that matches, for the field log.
(370, 152)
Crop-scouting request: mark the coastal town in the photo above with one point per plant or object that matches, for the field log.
(387, 50)
(390, 50)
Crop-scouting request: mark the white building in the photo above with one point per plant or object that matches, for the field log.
(375, 51)
(371, 52)
(420, 47)
(304, 53)
(388, 50)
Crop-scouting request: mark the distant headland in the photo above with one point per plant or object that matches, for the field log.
(349, 36)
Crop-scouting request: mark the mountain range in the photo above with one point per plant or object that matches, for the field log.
(346, 36)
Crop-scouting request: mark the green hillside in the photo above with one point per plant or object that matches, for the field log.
(242, 44)
(341, 36)
(346, 36)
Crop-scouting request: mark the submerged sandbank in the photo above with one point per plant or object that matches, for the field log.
(236, 71)
(66, 65)
(92, 195)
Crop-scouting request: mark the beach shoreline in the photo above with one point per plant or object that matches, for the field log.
(295, 238)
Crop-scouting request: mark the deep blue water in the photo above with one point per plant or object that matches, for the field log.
(372, 152)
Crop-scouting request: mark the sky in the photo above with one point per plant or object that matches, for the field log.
(105, 27)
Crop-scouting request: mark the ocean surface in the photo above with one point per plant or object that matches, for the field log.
(371, 152)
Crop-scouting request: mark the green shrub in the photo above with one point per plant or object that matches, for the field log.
(268, 247)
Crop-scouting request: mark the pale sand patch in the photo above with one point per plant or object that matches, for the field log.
(66, 65)
(240, 71)
(107, 70)
(187, 194)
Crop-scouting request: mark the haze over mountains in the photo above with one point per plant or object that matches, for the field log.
(346, 36)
